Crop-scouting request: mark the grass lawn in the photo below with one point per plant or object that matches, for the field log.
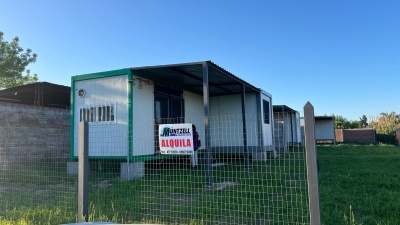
(269, 192)
(365, 178)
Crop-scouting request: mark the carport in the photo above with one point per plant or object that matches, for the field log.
(207, 79)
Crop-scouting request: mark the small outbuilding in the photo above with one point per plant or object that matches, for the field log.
(124, 108)
(43, 94)
(325, 129)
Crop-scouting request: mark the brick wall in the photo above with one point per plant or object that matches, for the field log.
(398, 136)
(355, 135)
(339, 135)
(30, 134)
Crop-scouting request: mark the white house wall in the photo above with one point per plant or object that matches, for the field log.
(105, 138)
(143, 118)
(298, 129)
(194, 112)
(226, 127)
(267, 128)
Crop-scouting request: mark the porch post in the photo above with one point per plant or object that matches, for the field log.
(206, 100)
(245, 150)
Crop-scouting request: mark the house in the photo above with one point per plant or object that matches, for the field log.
(43, 94)
(287, 130)
(124, 108)
(325, 129)
(34, 121)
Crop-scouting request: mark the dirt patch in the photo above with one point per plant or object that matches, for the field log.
(103, 184)
(223, 185)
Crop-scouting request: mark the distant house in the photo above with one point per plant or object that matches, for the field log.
(38, 94)
(287, 130)
(34, 119)
(325, 129)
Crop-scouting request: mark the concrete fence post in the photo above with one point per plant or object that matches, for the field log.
(83, 172)
(311, 159)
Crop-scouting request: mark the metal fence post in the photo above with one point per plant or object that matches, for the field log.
(311, 159)
(83, 175)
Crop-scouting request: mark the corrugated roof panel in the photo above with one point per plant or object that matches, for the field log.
(189, 76)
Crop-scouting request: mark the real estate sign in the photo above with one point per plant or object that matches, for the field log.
(176, 139)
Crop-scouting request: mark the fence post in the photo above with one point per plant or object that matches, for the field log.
(83, 175)
(311, 159)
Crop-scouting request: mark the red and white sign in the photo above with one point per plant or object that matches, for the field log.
(176, 139)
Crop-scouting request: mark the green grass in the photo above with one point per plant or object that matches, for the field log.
(360, 180)
(265, 193)
(359, 184)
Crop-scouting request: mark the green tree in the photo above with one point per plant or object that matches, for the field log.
(340, 122)
(343, 123)
(13, 62)
(363, 121)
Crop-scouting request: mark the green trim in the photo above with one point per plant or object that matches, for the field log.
(130, 116)
(72, 101)
(140, 158)
(143, 158)
(110, 73)
(103, 157)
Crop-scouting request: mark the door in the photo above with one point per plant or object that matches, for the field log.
(168, 109)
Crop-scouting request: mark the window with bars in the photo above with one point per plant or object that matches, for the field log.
(88, 114)
(106, 113)
(100, 113)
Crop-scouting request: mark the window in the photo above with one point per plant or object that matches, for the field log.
(88, 114)
(106, 113)
(266, 111)
(101, 113)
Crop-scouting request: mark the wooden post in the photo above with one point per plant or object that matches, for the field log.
(311, 159)
(83, 172)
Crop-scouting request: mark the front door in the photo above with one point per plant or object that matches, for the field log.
(168, 109)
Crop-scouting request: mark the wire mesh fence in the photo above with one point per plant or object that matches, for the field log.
(34, 185)
(255, 179)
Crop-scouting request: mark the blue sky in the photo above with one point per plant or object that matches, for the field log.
(342, 56)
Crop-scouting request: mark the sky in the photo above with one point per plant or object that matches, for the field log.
(341, 56)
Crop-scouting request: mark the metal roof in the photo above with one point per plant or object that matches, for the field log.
(189, 76)
(39, 94)
(282, 108)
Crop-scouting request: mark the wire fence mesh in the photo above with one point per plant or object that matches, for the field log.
(34, 185)
(269, 187)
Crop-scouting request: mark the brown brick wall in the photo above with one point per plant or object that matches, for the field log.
(31, 134)
(398, 136)
(355, 135)
(339, 135)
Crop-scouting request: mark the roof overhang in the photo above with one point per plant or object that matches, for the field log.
(282, 108)
(189, 76)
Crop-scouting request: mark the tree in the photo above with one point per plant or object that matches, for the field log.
(363, 121)
(13, 62)
(343, 123)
